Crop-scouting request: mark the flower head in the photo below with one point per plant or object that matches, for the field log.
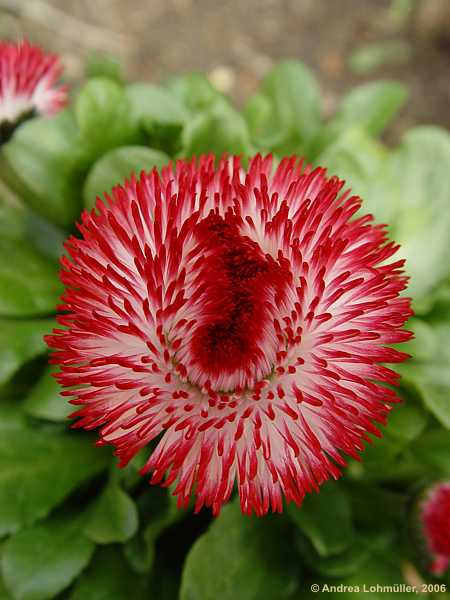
(435, 524)
(237, 317)
(28, 80)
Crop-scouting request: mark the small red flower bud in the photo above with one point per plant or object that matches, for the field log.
(435, 525)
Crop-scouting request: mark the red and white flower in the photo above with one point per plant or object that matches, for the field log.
(435, 525)
(237, 317)
(28, 82)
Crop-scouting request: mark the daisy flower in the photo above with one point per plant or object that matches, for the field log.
(234, 321)
(28, 85)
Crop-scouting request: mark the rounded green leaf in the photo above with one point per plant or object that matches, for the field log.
(411, 187)
(160, 511)
(45, 400)
(372, 56)
(371, 106)
(21, 341)
(40, 562)
(43, 165)
(407, 421)
(103, 65)
(337, 565)
(108, 577)
(38, 469)
(218, 130)
(240, 557)
(104, 116)
(113, 518)
(432, 449)
(116, 166)
(295, 97)
(4, 594)
(355, 157)
(194, 91)
(259, 114)
(155, 103)
(29, 284)
(429, 367)
(317, 517)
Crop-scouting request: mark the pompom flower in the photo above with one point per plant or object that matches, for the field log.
(28, 85)
(435, 525)
(236, 318)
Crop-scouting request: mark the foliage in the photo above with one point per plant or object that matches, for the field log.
(76, 527)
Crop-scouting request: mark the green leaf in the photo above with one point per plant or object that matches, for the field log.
(218, 130)
(161, 113)
(372, 56)
(194, 91)
(155, 103)
(406, 188)
(355, 157)
(45, 400)
(337, 565)
(19, 223)
(104, 116)
(160, 511)
(436, 398)
(103, 65)
(21, 341)
(12, 217)
(240, 557)
(370, 106)
(317, 518)
(164, 136)
(28, 281)
(406, 421)
(433, 451)
(415, 181)
(113, 518)
(369, 502)
(117, 165)
(296, 97)
(4, 594)
(429, 368)
(295, 100)
(39, 468)
(40, 562)
(44, 166)
(259, 114)
(107, 578)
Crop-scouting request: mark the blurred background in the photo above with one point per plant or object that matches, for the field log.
(236, 42)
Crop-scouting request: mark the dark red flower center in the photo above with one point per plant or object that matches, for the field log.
(240, 285)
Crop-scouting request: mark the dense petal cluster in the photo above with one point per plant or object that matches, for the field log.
(435, 517)
(28, 83)
(239, 319)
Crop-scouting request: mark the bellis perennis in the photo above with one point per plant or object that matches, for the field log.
(236, 318)
(28, 79)
(435, 524)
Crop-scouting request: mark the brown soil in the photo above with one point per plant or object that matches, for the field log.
(236, 41)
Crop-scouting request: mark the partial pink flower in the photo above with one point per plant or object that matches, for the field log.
(435, 521)
(238, 319)
(28, 82)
